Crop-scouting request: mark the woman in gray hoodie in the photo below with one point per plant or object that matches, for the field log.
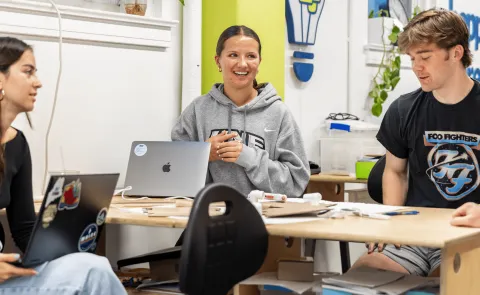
(255, 141)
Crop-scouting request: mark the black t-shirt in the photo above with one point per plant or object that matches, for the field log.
(442, 145)
(16, 193)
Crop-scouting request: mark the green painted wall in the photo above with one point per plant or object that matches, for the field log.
(266, 17)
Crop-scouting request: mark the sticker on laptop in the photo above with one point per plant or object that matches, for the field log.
(56, 192)
(49, 215)
(71, 196)
(140, 149)
(51, 202)
(102, 215)
(87, 240)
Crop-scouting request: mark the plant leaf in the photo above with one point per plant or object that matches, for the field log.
(377, 109)
(395, 29)
(394, 74)
(398, 62)
(416, 10)
(182, 1)
(393, 37)
(373, 93)
(370, 15)
(395, 82)
(383, 12)
(386, 77)
(383, 95)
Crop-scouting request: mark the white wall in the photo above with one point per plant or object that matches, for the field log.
(108, 97)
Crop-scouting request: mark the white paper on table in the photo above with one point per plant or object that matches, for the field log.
(365, 208)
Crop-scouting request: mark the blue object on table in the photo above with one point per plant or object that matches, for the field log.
(414, 212)
(326, 291)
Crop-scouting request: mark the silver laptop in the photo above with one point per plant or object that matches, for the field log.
(167, 168)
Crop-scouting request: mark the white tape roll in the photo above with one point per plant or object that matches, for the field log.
(256, 195)
(313, 198)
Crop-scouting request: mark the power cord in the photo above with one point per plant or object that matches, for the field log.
(60, 42)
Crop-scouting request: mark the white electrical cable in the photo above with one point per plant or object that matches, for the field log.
(60, 41)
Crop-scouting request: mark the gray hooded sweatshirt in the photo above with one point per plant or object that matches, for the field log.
(273, 157)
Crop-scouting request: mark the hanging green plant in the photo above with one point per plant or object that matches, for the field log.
(385, 81)
(182, 1)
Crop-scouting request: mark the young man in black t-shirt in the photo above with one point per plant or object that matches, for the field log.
(435, 130)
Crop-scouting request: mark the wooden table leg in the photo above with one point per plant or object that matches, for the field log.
(277, 247)
(460, 267)
(330, 191)
(334, 192)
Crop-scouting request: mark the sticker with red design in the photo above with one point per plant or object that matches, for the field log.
(71, 196)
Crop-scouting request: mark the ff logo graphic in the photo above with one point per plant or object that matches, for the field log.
(453, 166)
(302, 18)
(166, 167)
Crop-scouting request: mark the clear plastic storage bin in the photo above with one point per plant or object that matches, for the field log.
(343, 143)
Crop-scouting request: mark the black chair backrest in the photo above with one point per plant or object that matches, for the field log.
(374, 182)
(220, 251)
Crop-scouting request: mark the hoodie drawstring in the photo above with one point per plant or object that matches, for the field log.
(230, 119)
(230, 111)
(244, 124)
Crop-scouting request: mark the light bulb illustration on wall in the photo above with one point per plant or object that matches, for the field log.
(302, 18)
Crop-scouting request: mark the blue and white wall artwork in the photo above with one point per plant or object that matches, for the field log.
(303, 17)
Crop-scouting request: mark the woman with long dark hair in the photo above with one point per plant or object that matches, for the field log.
(78, 273)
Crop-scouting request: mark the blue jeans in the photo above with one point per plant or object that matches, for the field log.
(73, 274)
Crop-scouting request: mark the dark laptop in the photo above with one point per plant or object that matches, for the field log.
(71, 218)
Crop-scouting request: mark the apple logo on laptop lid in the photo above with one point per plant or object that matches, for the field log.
(166, 167)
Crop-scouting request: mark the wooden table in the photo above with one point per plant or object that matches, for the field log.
(460, 265)
(332, 187)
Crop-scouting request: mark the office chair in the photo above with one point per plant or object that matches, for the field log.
(374, 182)
(221, 251)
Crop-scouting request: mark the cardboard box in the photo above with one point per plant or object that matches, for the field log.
(164, 270)
(300, 270)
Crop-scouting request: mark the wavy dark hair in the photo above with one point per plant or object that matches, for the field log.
(238, 31)
(11, 50)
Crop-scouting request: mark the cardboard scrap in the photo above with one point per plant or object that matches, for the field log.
(278, 209)
(180, 211)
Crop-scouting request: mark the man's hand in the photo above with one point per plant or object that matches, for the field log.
(8, 271)
(466, 215)
(215, 142)
(230, 151)
(379, 246)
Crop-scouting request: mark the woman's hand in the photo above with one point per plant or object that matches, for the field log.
(8, 271)
(230, 151)
(215, 142)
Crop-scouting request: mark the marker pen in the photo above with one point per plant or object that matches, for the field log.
(275, 197)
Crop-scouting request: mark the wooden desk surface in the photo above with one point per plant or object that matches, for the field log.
(335, 178)
(430, 228)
